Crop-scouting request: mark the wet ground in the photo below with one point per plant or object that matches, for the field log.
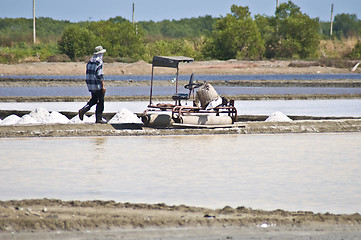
(33, 219)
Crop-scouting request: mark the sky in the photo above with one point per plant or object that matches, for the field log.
(158, 10)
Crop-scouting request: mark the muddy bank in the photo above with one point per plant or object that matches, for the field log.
(198, 67)
(54, 214)
(46, 82)
(252, 127)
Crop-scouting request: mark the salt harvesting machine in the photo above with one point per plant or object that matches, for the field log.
(207, 108)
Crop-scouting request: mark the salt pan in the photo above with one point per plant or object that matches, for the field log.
(125, 116)
(278, 117)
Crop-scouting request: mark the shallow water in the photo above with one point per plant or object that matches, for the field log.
(321, 108)
(169, 90)
(201, 77)
(316, 172)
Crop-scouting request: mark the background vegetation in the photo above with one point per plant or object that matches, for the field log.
(289, 34)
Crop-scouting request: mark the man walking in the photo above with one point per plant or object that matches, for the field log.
(95, 83)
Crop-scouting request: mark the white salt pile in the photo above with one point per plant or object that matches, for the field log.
(10, 120)
(125, 116)
(86, 119)
(278, 117)
(56, 117)
(37, 116)
(27, 119)
(42, 116)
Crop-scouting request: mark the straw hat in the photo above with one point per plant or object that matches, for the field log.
(99, 49)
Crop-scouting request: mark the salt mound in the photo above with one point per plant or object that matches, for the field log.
(10, 120)
(37, 116)
(278, 117)
(56, 117)
(125, 116)
(91, 119)
(27, 119)
(40, 114)
(86, 119)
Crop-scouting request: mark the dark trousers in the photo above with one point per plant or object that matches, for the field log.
(98, 99)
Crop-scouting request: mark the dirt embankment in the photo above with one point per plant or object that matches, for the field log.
(198, 67)
(251, 127)
(52, 215)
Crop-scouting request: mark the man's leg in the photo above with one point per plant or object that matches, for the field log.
(100, 107)
(86, 108)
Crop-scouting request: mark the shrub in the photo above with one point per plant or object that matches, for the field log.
(290, 33)
(6, 58)
(58, 58)
(356, 51)
(179, 47)
(235, 36)
(27, 52)
(76, 42)
(120, 40)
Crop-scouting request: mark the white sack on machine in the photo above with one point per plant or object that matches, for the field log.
(159, 120)
(208, 96)
(206, 120)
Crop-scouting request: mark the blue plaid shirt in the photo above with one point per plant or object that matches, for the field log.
(94, 74)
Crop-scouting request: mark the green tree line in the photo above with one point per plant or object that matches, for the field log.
(289, 34)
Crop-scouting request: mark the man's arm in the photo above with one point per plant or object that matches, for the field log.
(100, 76)
(103, 87)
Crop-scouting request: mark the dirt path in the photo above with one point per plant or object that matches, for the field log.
(143, 68)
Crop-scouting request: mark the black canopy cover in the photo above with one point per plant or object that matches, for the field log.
(164, 61)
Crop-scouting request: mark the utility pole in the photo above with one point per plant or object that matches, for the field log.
(34, 28)
(136, 25)
(133, 13)
(331, 20)
(277, 3)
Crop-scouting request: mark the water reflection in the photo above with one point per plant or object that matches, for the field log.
(94, 167)
(99, 144)
(317, 172)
